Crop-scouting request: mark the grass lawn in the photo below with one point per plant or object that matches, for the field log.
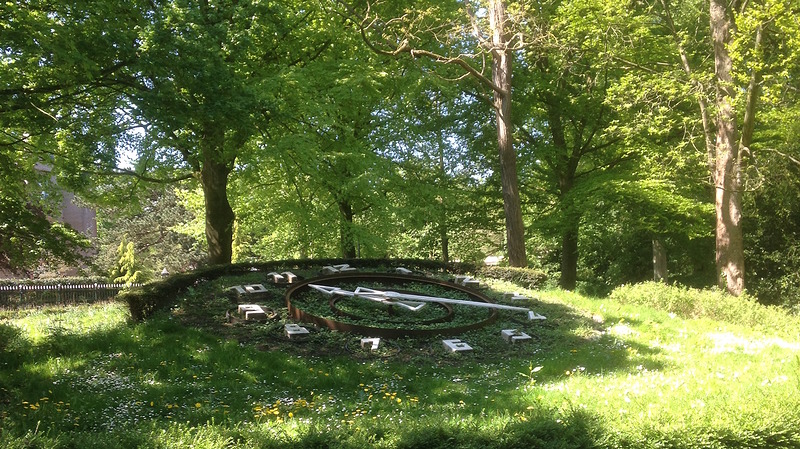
(598, 373)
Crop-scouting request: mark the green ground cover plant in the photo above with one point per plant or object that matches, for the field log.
(602, 373)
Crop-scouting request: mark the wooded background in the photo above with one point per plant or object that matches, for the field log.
(603, 141)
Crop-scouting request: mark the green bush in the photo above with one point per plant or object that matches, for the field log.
(55, 281)
(713, 303)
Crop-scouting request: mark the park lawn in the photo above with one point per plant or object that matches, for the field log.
(599, 373)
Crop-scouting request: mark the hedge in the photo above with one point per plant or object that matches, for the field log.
(523, 277)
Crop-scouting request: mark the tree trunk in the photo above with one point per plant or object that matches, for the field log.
(445, 247)
(346, 239)
(501, 78)
(570, 219)
(443, 231)
(659, 262)
(219, 214)
(569, 257)
(443, 228)
(729, 238)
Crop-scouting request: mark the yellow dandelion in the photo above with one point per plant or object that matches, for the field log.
(198, 405)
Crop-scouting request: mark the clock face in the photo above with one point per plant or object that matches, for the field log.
(388, 305)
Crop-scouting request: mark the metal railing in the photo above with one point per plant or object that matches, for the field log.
(24, 295)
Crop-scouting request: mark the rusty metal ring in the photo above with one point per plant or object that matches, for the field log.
(443, 319)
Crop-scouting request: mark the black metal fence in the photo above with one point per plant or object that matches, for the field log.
(22, 296)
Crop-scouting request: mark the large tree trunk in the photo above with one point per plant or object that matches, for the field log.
(443, 231)
(659, 262)
(570, 219)
(501, 78)
(569, 257)
(729, 241)
(219, 214)
(347, 241)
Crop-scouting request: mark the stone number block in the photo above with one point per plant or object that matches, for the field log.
(255, 289)
(514, 336)
(514, 296)
(456, 345)
(370, 343)
(252, 312)
(294, 331)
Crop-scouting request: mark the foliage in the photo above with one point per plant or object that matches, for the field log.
(621, 218)
(29, 236)
(690, 303)
(155, 223)
(128, 268)
(183, 86)
(326, 149)
(457, 40)
(334, 181)
(444, 185)
(523, 277)
(56, 281)
(28, 239)
(772, 213)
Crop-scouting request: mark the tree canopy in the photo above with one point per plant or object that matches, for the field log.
(575, 136)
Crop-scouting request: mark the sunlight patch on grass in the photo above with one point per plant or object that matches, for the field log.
(730, 342)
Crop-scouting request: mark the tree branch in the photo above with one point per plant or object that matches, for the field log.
(701, 101)
(366, 23)
(792, 159)
(139, 176)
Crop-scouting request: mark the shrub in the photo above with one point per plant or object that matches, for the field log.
(55, 281)
(713, 303)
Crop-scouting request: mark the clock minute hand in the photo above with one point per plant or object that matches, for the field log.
(372, 294)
